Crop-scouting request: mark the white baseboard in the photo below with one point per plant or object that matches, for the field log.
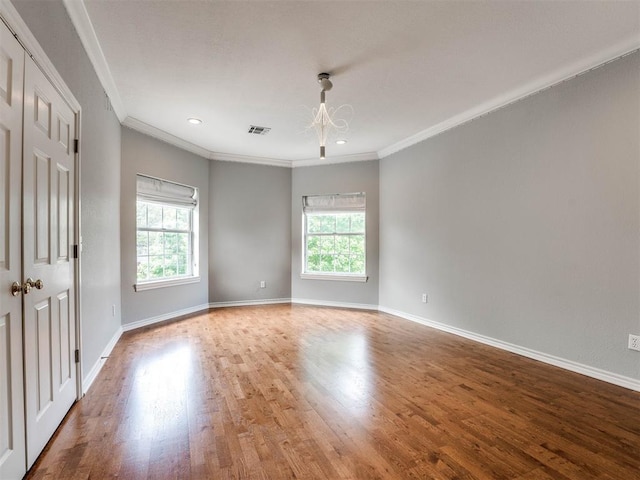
(87, 381)
(610, 377)
(606, 376)
(161, 318)
(248, 303)
(301, 301)
(328, 303)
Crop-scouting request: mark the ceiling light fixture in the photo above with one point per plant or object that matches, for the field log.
(194, 121)
(324, 119)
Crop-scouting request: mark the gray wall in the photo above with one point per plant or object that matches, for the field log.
(249, 232)
(339, 178)
(149, 156)
(100, 174)
(524, 225)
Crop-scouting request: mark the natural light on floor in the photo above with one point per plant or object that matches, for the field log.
(160, 392)
(346, 356)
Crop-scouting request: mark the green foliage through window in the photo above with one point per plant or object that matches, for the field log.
(164, 241)
(335, 243)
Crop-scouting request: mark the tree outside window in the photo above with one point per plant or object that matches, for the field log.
(334, 237)
(163, 241)
(335, 243)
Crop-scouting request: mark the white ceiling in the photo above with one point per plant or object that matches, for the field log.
(409, 69)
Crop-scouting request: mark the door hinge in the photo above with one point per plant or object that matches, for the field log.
(76, 145)
(75, 251)
(77, 355)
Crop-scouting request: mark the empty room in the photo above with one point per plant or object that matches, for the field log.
(319, 239)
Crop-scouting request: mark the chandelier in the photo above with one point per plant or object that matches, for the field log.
(325, 119)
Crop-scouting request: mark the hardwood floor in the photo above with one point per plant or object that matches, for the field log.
(303, 392)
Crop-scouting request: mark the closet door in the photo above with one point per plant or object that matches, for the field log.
(48, 238)
(12, 432)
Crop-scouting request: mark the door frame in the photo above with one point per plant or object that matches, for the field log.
(12, 19)
(78, 257)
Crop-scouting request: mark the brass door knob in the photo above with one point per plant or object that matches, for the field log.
(17, 289)
(38, 284)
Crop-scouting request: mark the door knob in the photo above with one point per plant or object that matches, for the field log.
(16, 288)
(38, 284)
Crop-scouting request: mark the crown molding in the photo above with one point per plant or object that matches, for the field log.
(82, 23)
(140, 126)
(150, 130)
(21, 31)
(230, 157)
(356, 157)
(544, 82)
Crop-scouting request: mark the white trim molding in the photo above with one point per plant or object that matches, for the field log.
(599, 374)
(81, 21)
(170, 282)
(329, 303)
(164, 317)
(605, 376)
(249, 303)
(335, 277)
(539, 84)
(150, 130)
(140, 126)
(356, 157)
(88, 380)
(229, 157)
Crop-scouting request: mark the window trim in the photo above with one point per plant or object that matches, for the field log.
(194, 207)
(168, 282)
(340, 277)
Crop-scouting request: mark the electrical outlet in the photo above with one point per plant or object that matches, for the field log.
(113, 310)
(634, 342)
(263, 284)
(425, 298)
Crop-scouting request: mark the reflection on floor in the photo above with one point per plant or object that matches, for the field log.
(303, 392)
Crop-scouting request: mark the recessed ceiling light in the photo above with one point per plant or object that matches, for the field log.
(194, 121)
(340, 142)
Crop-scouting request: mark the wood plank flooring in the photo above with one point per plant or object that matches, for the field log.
(303, 392)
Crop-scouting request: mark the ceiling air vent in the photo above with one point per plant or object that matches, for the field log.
(258, 130)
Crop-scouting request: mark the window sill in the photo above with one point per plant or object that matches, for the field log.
(334, 277)
(172, 282)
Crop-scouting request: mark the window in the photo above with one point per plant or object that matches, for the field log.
(334, 237)
(166, 231)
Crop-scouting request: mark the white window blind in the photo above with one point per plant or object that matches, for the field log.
(155, 190)
(339, 202)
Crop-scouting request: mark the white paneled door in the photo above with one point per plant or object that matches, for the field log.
(37, 299)
(48, 233)
(12, 433)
